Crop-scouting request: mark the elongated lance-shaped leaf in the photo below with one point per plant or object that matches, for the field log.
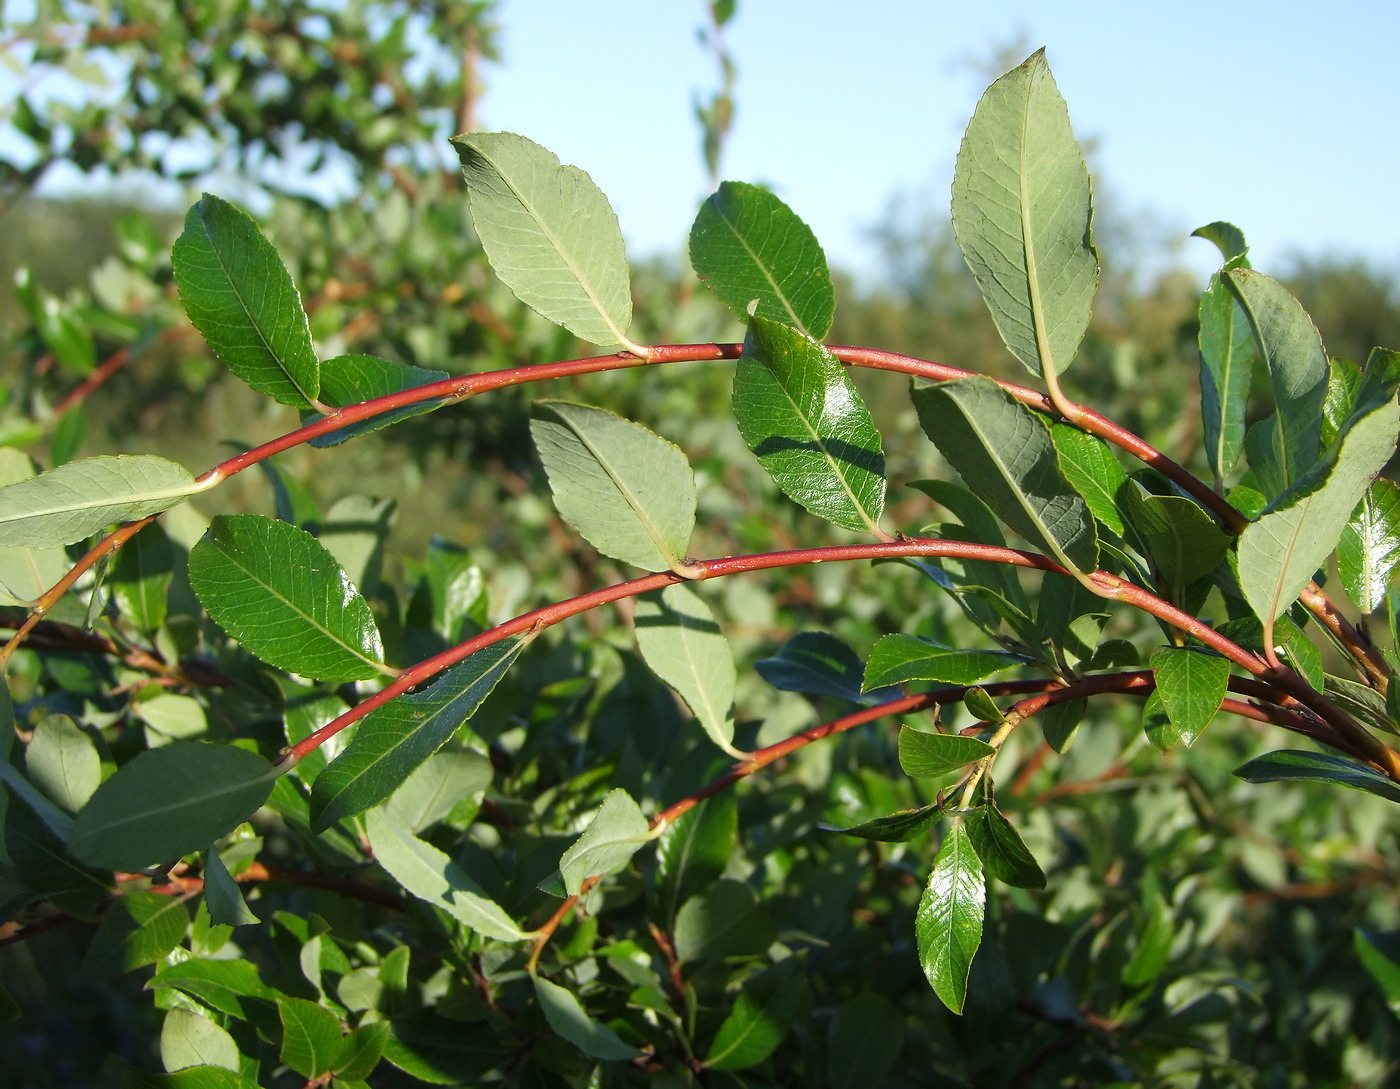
(1369, 550)
(240, 296)
(948, 925)
(615, 834)
(277, 590)
(350, 379)
(762, 1015)
(392, 740)
(549, 233)
(77, 500)
(902, 657)
(749, 246)
(1022, 209)
(1093, 471)
(1004, 453)
(682, 642)
(928, 756)
(1279, 553)
(1001, 849)
(1226, 346)
(801, 415)
(1191, 685)
(1288, 443)
(1295, 765)
(567, 1017)
(626, 489)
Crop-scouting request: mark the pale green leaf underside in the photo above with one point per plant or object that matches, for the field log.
(1369, 550)
(1021, 212)
(569, 1019)
(615, 834)
(682, 643)
(550, 234)
(948, 925)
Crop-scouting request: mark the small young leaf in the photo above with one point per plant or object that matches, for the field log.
(349, 379)
(392, 740)
(1060, 722)
(615, 834)
(222, 894)
(189, 1039)
(748, 245)
(138, 929)
(1092, 470)
(140, 578)
(169, 802)
(1021, 212)
(949, 921)
(239, 295)
(928, 756)
(1369, 551)
(276, 589)
(682, 643)
(899, 657)
(550, 234)
(568, 1018)
(311, 1036)
(1292, 765)
(815, 663)
(726, 920)
(1002, 851)
(81, 498)
(627, 490)
(981, 706)
(802, 417)
(762, 1014)
(62, 761)
(898, 827)
(1191, 685)
(1004, 453)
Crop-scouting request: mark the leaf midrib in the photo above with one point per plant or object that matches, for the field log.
(97, 504)
(773, 283)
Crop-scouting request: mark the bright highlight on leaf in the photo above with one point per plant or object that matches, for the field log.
(949, 922)
(1191, 685)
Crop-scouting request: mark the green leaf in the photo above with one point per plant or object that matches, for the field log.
(1191, 684)
(1092, 470)
(682, 643)
(311, 1036)
(276, 589)
(1379, 953)
(81, 498)
(762, 1014)
(392, 740)
(898, 827)
(1297, 368)
(1226, 345)
(1179, 536)
(138, 929)
(615, 834)
(1294, 765)
(222, 894)
(899, 657)
(628, 491)
(1021, 213)
(62, 761)
(436, 1050)
(360, 1052)
(550, 234)
(350, 379)
(432, 876)
(1157, 725)
(726, 920)
(1004, 453)
(982, 707)
(9, 1008)
(1361, 701)
(438, 787)
(1369, 550)
(802, 417)
(569, 1019)
(140, 577)
(1001, 849)
(222, 984)
(815, 663)
(180, 717)
(36, 850)
(1059, 722)
(1298, 650)
(169, 802)
(193, 1077)
(239, 295)
(695, 850)
(748, 245)
(1344, 381)
(1153, 948)
(1228, 238)
(948, 925)
(866, 1039)
(189, 1039)
(354, 531)
(929, 756)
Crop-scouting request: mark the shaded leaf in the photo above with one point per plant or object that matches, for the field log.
(221, 984)
(138, 929)
(222, 894)
(726, 920)
(695, 849)
(928, 756)
(568, 1018)
(437, 787)
(436, 1050)
(1179, 536)
(1379, 953)
(866, 1039)
(1291, 765)
(683, 644)
(762, 1014)
(949, 921)
(894, 827)
(1059, 722)
(62, 761)
(1154, 946)
(1092, 470)
(818, 664)
(140, 577)
(1226, 345)
(615, 834)
(311, 1036)
(360, 1051)
(1003, 853)
(349, 379)
(899, 657)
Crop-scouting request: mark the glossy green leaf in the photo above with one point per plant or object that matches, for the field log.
(140, 577)
(431, 875)
(1296, 765)
(1297, 368)
(1379, 953)
(81, 498)
(615, 834)
(1004, 453)
(899, 657)
(898, 827)
(443, 781)
(438, 1051)
(748, 245)
(695, 850)
(276, 589)
(928, 756)
(569, 1019)
(1157, 726)
(1191, 685)
(762, 1014)
(360, 1052)
(392, 740)
(62, 761)
(801, 415)
(222, 984)
(1060, 722)
(726, 920)
(189, 1039)
(981, 706)
(1369, 551)
(1344, 381)
(948, 925)
(550, 234)
(1226, 345)
(311, 1036)
(866, 1038)
(1180, 537)
(138, 929)
(1021, 212)
(1092, 470)
(239, 295)
(627, 490)
(1004, 854)
(815, 663)
(350, 379)
(169, 802)
(223, 896)
(684, 646)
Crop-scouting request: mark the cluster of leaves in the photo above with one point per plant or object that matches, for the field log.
(475, 790)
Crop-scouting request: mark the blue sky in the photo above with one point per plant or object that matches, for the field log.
(1281, 117)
